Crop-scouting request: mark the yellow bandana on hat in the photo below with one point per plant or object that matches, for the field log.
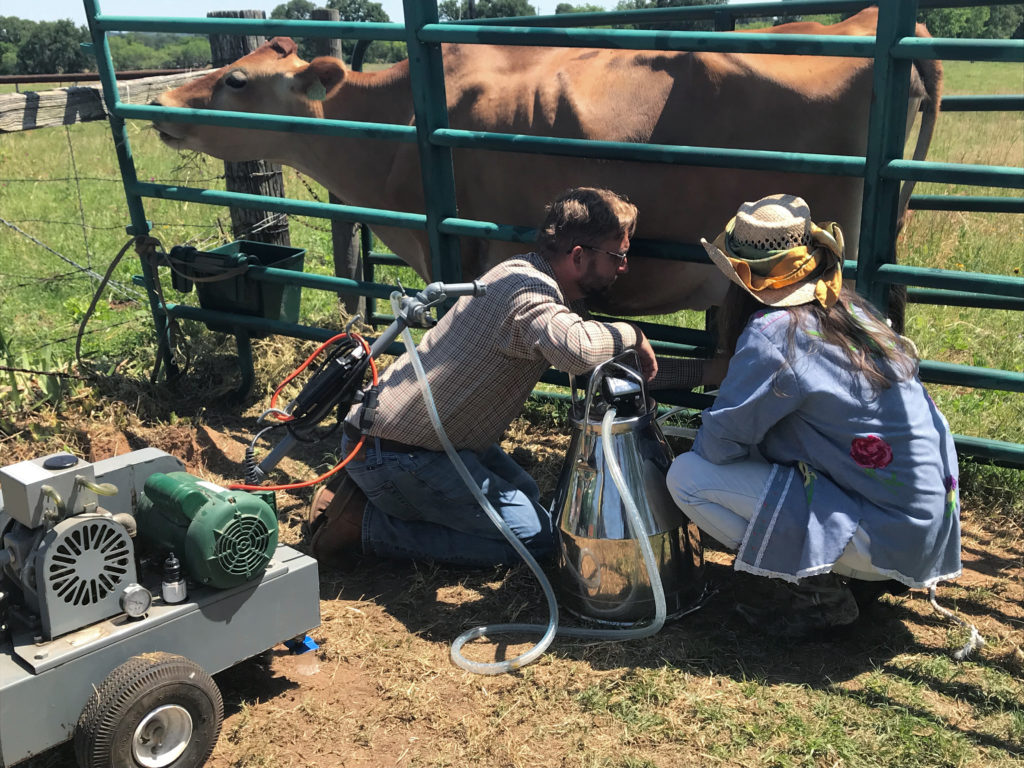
(775, 252)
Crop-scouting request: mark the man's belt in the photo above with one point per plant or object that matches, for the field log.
(385, 445)
(392, 445)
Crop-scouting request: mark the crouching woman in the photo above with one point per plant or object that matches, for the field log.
(823, 462)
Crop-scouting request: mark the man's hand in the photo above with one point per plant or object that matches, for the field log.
(648, 362)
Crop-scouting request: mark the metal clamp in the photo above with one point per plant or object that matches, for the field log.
(595, 378)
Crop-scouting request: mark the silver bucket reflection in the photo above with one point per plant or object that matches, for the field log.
(601, 570)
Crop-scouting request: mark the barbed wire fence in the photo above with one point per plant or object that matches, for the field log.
(207, 234)
(74, 206)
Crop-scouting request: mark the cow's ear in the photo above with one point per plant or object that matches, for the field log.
(320, 78)
(285, 46)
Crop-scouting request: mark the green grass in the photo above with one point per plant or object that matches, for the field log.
(51, 180)
(974, 242)
(784, 724)
(982, 77)
(28, 87)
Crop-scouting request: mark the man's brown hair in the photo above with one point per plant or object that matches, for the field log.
(584, 216)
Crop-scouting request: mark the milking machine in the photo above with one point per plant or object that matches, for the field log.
(124, 584)
(604, 532)
(601, 577)
(629, 559)
(605, 535)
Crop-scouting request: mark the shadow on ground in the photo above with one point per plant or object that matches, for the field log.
(714, 640)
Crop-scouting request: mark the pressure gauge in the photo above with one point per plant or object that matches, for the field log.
(136, 600)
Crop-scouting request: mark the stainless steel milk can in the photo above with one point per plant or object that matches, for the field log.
(601, 571)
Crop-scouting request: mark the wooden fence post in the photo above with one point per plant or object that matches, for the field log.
(344, 234)
(255, 177)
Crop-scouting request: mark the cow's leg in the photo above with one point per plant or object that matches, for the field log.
(897, 311)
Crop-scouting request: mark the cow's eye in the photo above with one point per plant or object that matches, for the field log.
(236, 78)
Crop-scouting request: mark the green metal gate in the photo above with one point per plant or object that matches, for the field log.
(883, 169)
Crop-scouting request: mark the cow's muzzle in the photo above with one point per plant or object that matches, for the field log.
(170, 134)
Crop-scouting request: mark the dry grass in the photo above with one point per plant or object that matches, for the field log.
(381, 690)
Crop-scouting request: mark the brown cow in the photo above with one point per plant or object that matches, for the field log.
(768, 102)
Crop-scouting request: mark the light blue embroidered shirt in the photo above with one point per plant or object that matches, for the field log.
(883, 460)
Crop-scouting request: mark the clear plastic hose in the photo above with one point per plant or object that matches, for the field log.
(551, 628)
(636, 527)
(485, 668)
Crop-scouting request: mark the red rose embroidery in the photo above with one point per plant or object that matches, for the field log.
(871, 452)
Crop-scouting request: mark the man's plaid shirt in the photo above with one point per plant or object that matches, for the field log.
(487, 353)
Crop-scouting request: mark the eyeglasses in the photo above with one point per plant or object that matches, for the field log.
(620, 256)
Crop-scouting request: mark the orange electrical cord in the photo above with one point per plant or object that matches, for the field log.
(273, 399)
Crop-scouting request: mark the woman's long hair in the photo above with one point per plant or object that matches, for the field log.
(852, 324)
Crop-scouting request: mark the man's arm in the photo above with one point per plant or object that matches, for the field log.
(575, 345)
(645, 352)
(689, 372)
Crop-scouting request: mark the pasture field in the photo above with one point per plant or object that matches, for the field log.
(381, 691)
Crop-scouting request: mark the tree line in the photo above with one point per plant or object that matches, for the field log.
(44, 47)
(38, 47)
(985, 21)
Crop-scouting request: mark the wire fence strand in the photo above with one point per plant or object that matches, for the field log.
(126, 290)
(189, 171)
(78, 190)
(111, 179)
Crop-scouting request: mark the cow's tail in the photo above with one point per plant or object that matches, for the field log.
(930, 72)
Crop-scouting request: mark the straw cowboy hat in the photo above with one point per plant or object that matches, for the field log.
(773, 250)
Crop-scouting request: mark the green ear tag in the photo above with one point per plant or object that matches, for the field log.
(316, 92)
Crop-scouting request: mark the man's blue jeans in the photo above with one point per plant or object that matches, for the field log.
(419, 509)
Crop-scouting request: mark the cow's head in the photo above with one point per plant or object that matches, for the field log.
(272, 79)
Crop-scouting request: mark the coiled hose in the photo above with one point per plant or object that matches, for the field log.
(551, 628)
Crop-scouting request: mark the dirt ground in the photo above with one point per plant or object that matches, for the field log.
(382, 691)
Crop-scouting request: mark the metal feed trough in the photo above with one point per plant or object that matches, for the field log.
(882, 167)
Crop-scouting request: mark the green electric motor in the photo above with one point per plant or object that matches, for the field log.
(225, 538)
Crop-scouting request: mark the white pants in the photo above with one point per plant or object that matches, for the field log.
(721, 498)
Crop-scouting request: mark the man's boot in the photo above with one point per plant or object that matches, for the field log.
(336, 518)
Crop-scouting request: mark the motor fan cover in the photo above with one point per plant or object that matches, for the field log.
(224, 538)
(82, 566)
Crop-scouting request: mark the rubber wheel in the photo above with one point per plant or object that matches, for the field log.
(157, 710)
